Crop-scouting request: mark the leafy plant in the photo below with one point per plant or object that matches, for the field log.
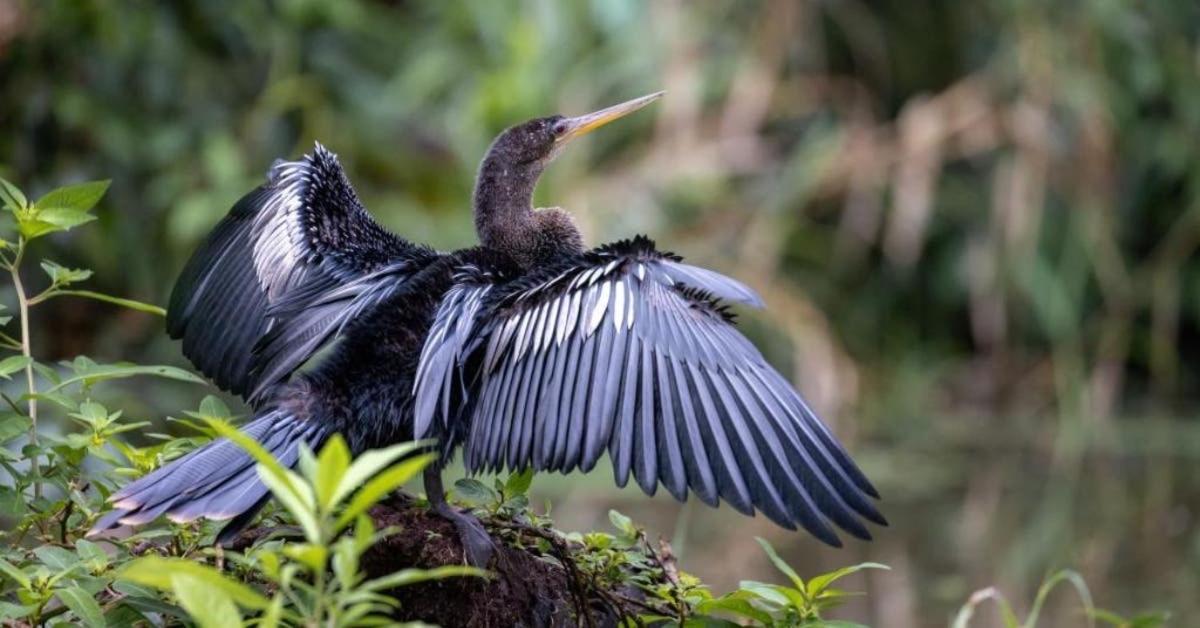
(1008, 616)
(316, 580)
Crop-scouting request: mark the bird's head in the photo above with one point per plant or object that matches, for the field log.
(537, 141)
(504, 215)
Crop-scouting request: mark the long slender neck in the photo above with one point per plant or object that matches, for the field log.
(504, 217)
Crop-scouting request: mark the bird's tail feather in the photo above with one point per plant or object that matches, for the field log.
(217, 481)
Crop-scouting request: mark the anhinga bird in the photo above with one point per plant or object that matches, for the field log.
(527, 351)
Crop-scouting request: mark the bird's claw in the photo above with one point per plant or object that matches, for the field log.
(477, 543)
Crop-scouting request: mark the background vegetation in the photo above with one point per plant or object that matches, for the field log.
(975, 225)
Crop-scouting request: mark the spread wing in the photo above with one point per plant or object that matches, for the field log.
(282, 273)
(627, 350)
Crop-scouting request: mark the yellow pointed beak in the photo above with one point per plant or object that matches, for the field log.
(582, 125)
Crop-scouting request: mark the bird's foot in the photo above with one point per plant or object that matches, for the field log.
(476, 542)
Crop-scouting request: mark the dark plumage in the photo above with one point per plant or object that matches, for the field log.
(526, 351)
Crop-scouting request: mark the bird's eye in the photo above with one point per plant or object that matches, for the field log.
(559, 127)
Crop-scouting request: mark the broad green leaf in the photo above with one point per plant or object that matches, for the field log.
(125, 303)
(381, 485)
(61, 275)
(780, 564)
(91, 552)
(736, 605)
(294, 495)
(8, 610)
(274, 613)
(768, 592)
(310, 555)
(31, 227)
(156, 572)
(63, 218)
(818, 583)
(104, 372)
(59, 399)
(80, 197)
(213, 408)
(91, 413)
(14, 573)
(519, 483)
(623, 524)
(12, 501)
(83, 605)
(332, 464)
(210, 607)
(11, 195)
(474, 491)
(13, 425)
(144, 598)
(56, 557)
(405, 577)
(369, 464)
(12, 364)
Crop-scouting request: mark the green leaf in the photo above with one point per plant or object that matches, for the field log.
(474, 491)
(31, 227)
(381, 485)
(80, 197)
(818, 583)
(125, 303)
(144, 598)
(11, 195)
(12, 501)
(13, 425)
(90, 551)
(1008, 618)
(103, 372)
(156, 572)
(369, 464)
(83, 605)
(295, 495)
(209, 607)
(736, 605)
(623, 524)
(332, 464)
(213, 408)
(309, 554)
(519, 483)
(56, 557)
(780, 564)
(405, 577)
(274, 614)
(768, 592)
(12, 364)
(61, 275)
(288, 488)
(13, 572)
(1065, 575)
(8, 610)
(64, 219)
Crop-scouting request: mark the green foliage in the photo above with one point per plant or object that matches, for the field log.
(1008, 617)
(315, 580)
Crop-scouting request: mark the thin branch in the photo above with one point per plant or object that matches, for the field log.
(23, 308)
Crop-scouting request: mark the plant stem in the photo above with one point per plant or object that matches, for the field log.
(23, 309)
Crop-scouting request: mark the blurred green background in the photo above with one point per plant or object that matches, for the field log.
(974, 223)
